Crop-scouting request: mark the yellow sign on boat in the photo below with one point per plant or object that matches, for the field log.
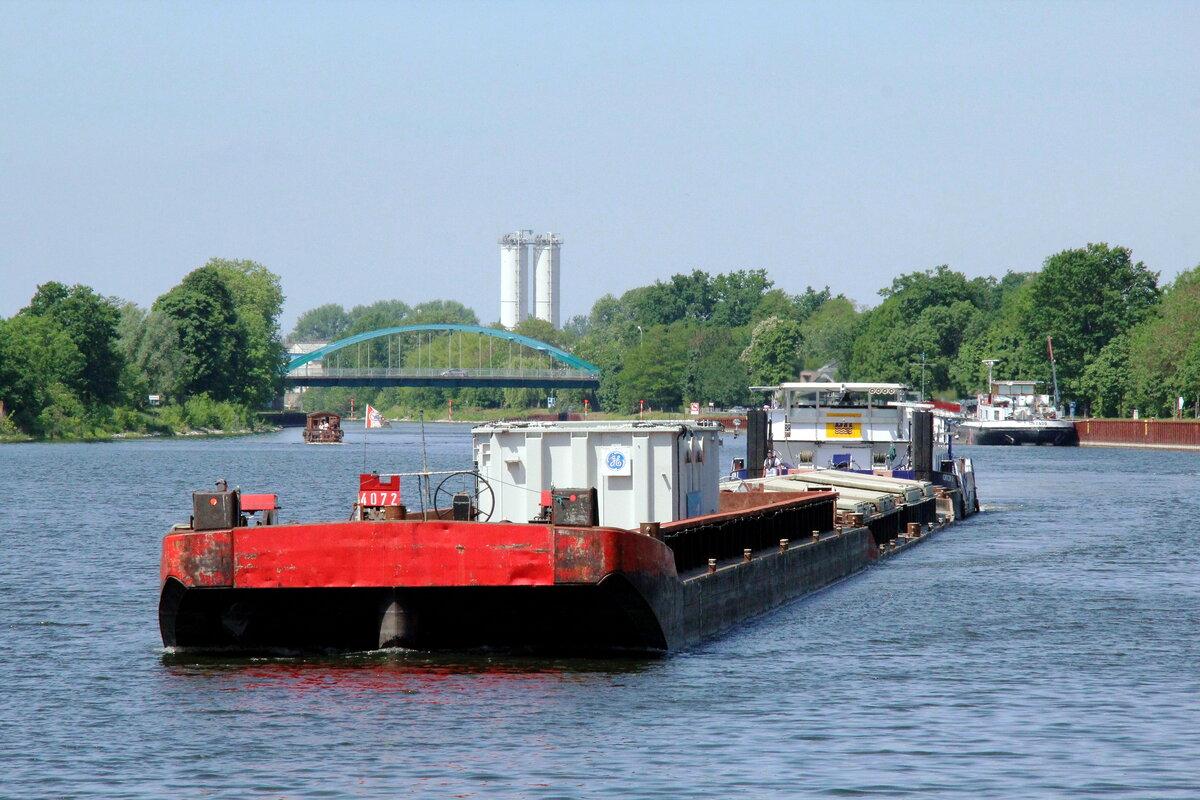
(843, 430)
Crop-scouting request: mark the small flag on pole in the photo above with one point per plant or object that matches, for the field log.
(374, 419)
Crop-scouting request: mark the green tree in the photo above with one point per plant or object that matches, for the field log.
(91, 322)
(257, 303)
(1164, 351)
(828, 334)
(383, 351)
(736, 295)
(798, 308)
(1083, 298)
(774, 353)
(715, 373)
(608, 355)
(131, 329)
(442, 312)
(380, 314)
(1000, 335)
(940, 286)
(684, 297)
(38, 361)
(1106, 381)
(326, 323)
(543, 331)
(157, 356)
(653, 372)
(209, 338)
(919, 330)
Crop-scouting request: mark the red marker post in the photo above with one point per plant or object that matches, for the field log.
(451, 408)
(641, 408)
(585, 406)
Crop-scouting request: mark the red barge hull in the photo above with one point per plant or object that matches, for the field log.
(446, 584)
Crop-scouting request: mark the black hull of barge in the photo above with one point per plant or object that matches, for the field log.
(1015, 437)
(609, 616)
(620, 614)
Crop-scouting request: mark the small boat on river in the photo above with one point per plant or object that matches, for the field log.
(323, 427)
(566, 536)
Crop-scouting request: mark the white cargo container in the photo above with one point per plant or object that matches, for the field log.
(642, 471)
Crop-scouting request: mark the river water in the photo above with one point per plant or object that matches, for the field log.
(1046, 648)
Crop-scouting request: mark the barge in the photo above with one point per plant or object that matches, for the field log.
(1014, 413)
(566, 537)
(875, 443)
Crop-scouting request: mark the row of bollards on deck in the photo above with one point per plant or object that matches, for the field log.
(912, 532)
(784, 544)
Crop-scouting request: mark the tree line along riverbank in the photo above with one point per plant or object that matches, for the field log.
(207, 353)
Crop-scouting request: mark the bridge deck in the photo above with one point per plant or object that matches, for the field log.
(563, 378)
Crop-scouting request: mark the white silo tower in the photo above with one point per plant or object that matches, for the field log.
(545, 277)
(514, 277)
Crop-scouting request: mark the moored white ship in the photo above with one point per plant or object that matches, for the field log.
(1013, 413)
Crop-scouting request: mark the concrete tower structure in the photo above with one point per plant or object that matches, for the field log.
(514, 277)
(545, 281)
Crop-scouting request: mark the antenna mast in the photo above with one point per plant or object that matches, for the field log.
(991, 362)
(1054, 376)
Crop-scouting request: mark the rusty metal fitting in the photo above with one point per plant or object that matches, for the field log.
(651, 529)
(914, 529)
(746, 554)
(712, 565)
(783, 545)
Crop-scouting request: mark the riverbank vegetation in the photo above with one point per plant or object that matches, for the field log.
(205, 355)
(1121, 341)
(78, 365)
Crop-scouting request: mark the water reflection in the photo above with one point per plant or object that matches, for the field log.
(395, 670)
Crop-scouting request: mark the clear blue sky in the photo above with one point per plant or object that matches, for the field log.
(369, 151)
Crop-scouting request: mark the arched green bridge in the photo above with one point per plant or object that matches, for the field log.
(442, 355)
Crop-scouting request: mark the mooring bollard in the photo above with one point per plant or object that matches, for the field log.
(712, 565)
(816, 536)
(783, 545)
(914, 529)
(746, 554)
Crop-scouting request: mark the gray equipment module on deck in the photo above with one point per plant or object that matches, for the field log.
(652, 471)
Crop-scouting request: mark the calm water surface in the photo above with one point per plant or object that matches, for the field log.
(1047, 648)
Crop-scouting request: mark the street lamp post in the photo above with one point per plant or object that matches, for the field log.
(641, 336)
(991, 362)
(922, 366)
